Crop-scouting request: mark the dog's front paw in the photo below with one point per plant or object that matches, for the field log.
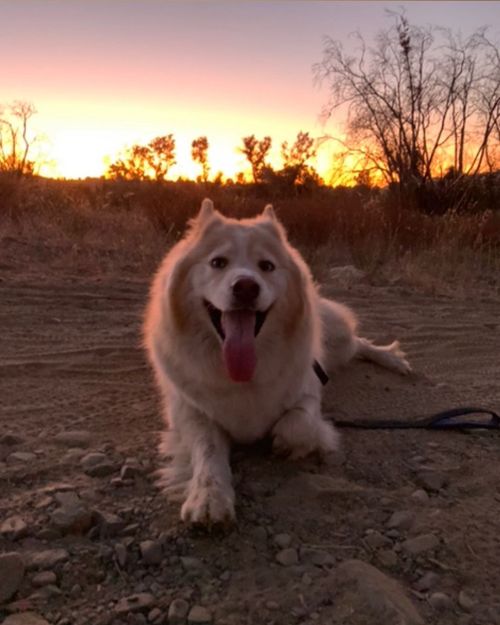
(297, 435)
(399, 361)
(207, 505)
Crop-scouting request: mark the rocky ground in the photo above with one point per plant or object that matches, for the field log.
(402, 528)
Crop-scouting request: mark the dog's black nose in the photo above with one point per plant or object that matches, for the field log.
(245, 291)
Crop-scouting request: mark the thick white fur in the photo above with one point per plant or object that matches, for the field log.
(204, 409)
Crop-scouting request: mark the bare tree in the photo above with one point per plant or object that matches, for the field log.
(199, 154)
(142, 162)
(420, 101)
(15, 139)
(256, 153)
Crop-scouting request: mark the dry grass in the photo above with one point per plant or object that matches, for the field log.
(101, 227)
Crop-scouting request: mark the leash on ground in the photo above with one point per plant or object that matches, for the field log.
(445, 420)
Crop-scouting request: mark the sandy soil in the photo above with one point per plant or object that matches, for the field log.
(71, 361)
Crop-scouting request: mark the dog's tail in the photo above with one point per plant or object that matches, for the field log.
(388, 356)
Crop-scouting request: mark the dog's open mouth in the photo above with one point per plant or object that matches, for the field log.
(238, 329)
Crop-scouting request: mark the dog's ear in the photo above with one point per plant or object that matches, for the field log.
(206, 214)
(269, 213)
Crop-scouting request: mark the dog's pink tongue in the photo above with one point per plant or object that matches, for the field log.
(239, 344)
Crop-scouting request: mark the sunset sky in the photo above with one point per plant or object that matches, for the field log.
(109, 73)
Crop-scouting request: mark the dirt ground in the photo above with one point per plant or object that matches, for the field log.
(102, 546)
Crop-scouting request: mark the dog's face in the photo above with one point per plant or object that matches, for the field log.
(241, 274)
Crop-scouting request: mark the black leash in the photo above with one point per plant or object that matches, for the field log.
(446, 420)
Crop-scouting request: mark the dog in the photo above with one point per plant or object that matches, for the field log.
(237, 334)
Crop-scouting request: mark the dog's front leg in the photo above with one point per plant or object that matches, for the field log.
(302, 430)
(210, 494)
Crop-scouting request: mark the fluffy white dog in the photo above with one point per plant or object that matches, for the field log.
(235, 329)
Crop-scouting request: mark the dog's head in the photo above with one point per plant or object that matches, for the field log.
(241, 274)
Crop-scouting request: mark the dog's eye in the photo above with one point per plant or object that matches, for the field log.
(219, 262)
(266, 265)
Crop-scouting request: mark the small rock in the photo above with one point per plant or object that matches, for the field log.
(25, 618)
(10, 440)
(420, 496)
(46, 592)
(287, 557)
(109, 524)
(282, 540)
(14, 528)
(190, 563)
(402, 519)
(44, 578)
(420, 544)
(317, 557)
(432, 480)
(375, 540)
(140, 602)
(75, 591)
(466, 602)
(440, 601)
(199, 614)
(177, 612)
(388, 558)
(73, 438)
(48, 558)
(121, 554)
(11, 574)
(427, 581)
(58, 487)
(73, 516)
(151, 552)
(155, 616)
(97, 464)
(21, 456)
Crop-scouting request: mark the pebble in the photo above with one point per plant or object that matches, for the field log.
(48, 558)
(388, 558)
(14, 528)
(11, 574)
(151, 552)
(25, 618)
(420, 496)
(121, 554)
(73, 438)
(402, 519)
(97, 464)
(21, 456)
(466, 602)
(282, 540)
(177, 612)
(190, 563)
(199, 614)
(155, 616)
(432, 480)
(140, 602)
(376, 540)
(420, 544)
(287, 557)
(317, 557)
(440, 601)
(109, 524)
(427, 581)
(130, 470)
(44, 578)
(73, 516)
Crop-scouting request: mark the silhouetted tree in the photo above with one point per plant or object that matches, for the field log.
(295, 158)
(15, 139)
(256, 152)
(199, 154)
(416, 100)
(141, 162)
